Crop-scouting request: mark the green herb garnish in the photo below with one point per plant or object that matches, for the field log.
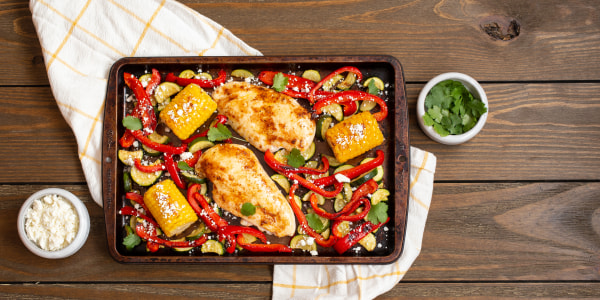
(295, 158)
(132, 123)
(248, 209)
(132, 239)
(219, 133)
(182, 165)
(279, 82)
(451, 108)
(315, 222)
(378, 213)
(373, 89)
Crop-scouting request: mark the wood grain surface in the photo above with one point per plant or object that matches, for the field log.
(515, 211)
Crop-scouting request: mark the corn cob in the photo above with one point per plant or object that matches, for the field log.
(354, 136)
(188, 110)
(169, 207)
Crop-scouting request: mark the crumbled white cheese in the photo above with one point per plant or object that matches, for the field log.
(341, 178)
(51, 222)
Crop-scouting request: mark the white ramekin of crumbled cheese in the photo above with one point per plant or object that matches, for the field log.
(53, 223)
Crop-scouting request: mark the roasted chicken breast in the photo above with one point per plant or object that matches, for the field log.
(238, 177)
(267, 119)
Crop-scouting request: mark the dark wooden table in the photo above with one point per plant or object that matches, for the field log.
(515, 211)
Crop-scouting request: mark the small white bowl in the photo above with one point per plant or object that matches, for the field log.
(474, 87)
(82, 232)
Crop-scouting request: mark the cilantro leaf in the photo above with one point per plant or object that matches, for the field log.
(182, 165)
(132, 123)
(295, 158)
(378, 213)
(373, 89)
(315, 222)
(219, 133)
(131, 240)
(279, 82)
(248, 209)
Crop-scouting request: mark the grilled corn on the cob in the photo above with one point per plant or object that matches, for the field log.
(169, 207)
(188, 110)
(354, 136)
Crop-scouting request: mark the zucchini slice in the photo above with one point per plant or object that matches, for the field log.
(166, 90)
(334, 110)
(303, 242)
(212, 246)
(151, 151)
(379, 195)
(323, 124)
(333, 162)
(309, 152)
(197, 233)
(328, 86)
(379, 169)
(128, 157)
(348, 82)
(192, 177)
(282, 181)
(364, 178)
(320, 198)
(342, 168)
(242, 73)
(339, 202)
(200, 143)
(187, 74)
(312, 75)
(143, 178)
(182, 249)
(369, 242)
(126, 182)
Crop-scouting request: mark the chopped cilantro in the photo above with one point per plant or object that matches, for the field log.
(132, 123)
(378, 213)
(248, 209)
(295, 158)
(219, 133)
(373, 89)
(451, 108)
(315, 222)
(279, 82)
(182, 165)
(132, 239)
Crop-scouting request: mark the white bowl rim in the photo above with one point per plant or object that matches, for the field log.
(473, 86)
(82, 232)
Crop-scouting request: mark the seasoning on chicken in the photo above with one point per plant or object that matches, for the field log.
(267, 119)
(238, 177)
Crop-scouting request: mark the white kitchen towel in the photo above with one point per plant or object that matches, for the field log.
(81, 39)
(348, 282)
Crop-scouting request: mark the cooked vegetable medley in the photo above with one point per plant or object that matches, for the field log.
(175, 145)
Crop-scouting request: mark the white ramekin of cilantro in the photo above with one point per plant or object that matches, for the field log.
(452, 108)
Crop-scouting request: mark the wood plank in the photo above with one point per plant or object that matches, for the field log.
(558, 40)
(474, 232)
(404, 290)
(522, 136)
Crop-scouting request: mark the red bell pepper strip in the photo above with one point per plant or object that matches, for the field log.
(204, 215)
(153, 83)
(148, 169)
(203, 83)
(356, 235)
(173, 170)
(312, 92)
(353, 172)
(343, 215)
(313, 187)
(262, 247)
(234, 230)
(304, 223)
(130, 211)
(345, 97)
(350, 108)
(194, 159)
(220, 119)
(139, 199)
(295, 83)
(143, 108)
(215, 220)
(281, 167)
(127, 139)
(142, 233)
(157, 146)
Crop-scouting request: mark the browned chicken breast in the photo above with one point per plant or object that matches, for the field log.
(267, 119)
(237, 178)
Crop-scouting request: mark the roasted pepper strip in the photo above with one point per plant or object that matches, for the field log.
(173, 170)
(148, 169)
(281, 167)
(312, 92)
(295, 83)
(143, 108)
(262, 247)
(356, 235)
(313, 187)
(142, 233)
(353, 172)
(304, 223)
(194, 159)
(216, 220)
(157, 146)
(203, 83)
(345, 97)
(234, 229)
(139, 199)
(127, 139)
(130, 211)
(343, 215)
(153, 83)
(193, 197)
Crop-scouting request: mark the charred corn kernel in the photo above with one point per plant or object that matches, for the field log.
(188, 110)
(354, 136)
(169, 207)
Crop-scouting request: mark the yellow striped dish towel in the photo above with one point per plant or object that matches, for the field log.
(81, 39)
(348, 282)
